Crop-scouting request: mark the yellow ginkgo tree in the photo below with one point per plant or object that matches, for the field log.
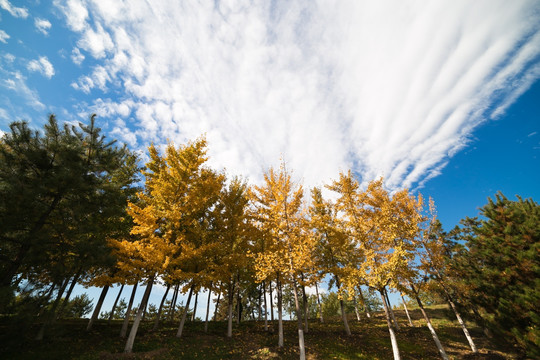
(384, 226)
(279, 208)
(171, 217)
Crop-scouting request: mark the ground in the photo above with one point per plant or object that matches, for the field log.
(370, 340)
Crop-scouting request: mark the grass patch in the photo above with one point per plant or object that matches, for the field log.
(68, 339)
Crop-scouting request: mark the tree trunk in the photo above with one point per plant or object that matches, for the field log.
(356, 308)
(280, 312)
(52, 313)
(97, 309)
(406, 311)
(305, 302)
(460, 320)
(232, 285)
(271, 303)
(458, 317)
(195, 306)
(343, 311)
(208, 308)
(184, 315)
(430, 327)
(259, 317)
(364, 302)
(344, 317)
(393, 339)
(115, 303)
(145, 311)
(158, 315)
(217, 306)
(462, 323)
(299, 321)
(265, 307)
(319, 302)
(125, 324)
(396, 325)
(136, 322)
(70, 290)
(238, 306)
(172, 308)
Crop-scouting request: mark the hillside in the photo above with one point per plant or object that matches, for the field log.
(69, 340)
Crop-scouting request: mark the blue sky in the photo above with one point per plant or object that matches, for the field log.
(440, 97)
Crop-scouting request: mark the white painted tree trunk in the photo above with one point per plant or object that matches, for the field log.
(135, 327)
(230, 312)
(280, 313)
(265, 307)
(97, 309)
(125, 324)
(394, 321)
(259, 305)
(458, 317)
(299, 321)
(462, 323)
(208, 308)
(184, 315)
(395, 348)
(343, 311)
(271, 302)
(306, 310)
(430, 327)
(406, 311)
(344, 318)
(356, 308)
(158, 316)
(364, 302)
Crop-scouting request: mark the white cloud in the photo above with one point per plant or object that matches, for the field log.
(9, 57)
(75, 12)
(97, 42)
(13, 10)
(42, 65)
(387, 88)
(4, 36)
(76, 56)
(42, 25)
(16, 82)
(3, 115)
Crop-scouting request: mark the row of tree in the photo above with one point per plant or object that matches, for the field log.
(65, 221)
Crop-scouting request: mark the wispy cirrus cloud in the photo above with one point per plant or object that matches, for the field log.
(13, 10)
(385, 88)
(4, 36)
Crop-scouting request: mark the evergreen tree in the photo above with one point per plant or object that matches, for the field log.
(501, 269)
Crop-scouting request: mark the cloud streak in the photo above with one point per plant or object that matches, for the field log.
(13, 10)
(385, 88)
(4, 36)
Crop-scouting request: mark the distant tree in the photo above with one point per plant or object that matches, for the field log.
(78, 307)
